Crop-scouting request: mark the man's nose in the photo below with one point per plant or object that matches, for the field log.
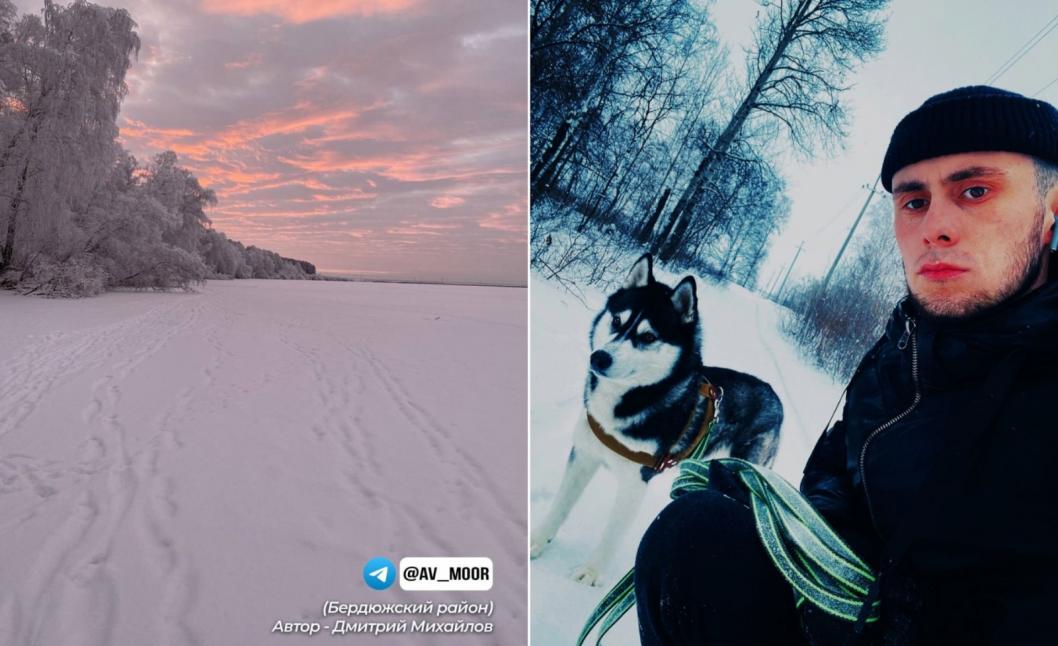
(940, 225)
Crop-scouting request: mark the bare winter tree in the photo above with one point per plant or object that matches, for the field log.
(667, 82)
(732, 228)
(796, 71)
(592, 61)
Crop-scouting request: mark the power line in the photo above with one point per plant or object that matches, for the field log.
(840, 212)
(789, 269)
(1023, 50)
(841, 252)
(1053, 81)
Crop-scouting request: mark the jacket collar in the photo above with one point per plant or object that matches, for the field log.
(955, 351)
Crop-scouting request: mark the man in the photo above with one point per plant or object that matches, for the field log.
(943, 470)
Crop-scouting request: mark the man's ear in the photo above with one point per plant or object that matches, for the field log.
(685, 300)
(1051, 219)
(642, 273)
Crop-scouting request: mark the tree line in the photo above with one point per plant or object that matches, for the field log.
(78, 213)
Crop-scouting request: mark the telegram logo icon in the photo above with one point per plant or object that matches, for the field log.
(379, 573)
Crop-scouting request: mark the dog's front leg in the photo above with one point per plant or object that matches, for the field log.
(630, 490)
(580, 468)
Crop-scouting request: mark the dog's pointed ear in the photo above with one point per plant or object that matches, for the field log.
(685, 300)
(642, 273)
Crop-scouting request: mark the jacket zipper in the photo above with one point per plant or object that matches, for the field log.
(909, 333)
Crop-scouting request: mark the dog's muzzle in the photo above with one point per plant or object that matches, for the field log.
(600, 361)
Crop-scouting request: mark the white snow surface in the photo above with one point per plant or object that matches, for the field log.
(189, 468)
(740, 331)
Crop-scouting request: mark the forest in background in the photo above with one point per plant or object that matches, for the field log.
(78, 213)
(648, 135)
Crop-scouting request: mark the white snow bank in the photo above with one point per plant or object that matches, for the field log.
(191, 468)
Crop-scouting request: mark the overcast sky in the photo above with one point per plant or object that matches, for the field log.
(932, 46)
(373, 137)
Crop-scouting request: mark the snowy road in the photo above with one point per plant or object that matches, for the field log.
(740, 331)
(190, 468)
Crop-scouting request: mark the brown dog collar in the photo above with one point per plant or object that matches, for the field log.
(663, 460)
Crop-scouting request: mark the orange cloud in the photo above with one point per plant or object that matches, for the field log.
(140, 129)
(413, 167)
(341, 197)
(305, 11)
(510, 220)
(296, 119)
(421, 229)
(214, 150)
(309, 183)
(257, 211)
(251, 61)
(239, 135)
(377, 131)
(13, 104)
(446, 201)
(165, 139)
(214, 174)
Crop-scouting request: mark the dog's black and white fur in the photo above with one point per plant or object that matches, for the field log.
(642, 388)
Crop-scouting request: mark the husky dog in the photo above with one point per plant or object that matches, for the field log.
(642, 390)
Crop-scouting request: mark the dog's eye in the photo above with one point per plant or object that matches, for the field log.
(647, 337)
(616, 322)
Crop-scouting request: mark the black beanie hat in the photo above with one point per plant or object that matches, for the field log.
(972, 119)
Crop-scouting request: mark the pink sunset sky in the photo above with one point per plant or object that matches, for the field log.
(375, 138)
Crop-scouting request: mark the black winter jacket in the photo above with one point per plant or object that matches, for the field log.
(982, 567)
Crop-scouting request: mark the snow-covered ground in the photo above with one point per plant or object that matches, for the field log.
(740, 330)
(182, 469)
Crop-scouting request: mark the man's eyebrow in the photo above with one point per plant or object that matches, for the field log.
(913, 185)
(909, 187)
(971, 172)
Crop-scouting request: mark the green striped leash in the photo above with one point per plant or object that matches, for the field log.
(820, 567)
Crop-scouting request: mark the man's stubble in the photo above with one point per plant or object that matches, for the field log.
(1025, 262)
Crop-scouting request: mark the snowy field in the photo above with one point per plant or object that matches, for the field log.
(740, 330)
(181, 469)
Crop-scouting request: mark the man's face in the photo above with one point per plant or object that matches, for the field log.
(971, 230)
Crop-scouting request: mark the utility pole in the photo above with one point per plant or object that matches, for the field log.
(770, 292)
(789, 269)
(845, 244)
(762, 285)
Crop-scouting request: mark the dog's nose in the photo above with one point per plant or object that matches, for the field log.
(601, 360)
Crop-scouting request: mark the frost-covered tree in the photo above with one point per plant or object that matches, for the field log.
(223, 257)
(64, 79)
(149, 230)
(182, 196)
(78, 214)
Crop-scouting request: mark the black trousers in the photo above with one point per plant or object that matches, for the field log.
(702, 578)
